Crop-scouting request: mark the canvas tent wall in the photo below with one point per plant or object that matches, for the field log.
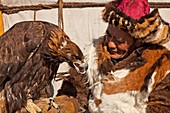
(82, 23)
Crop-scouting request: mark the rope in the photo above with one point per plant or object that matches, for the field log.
(16, 9)
(159, 4)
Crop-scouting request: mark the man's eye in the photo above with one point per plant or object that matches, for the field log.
(120, 39)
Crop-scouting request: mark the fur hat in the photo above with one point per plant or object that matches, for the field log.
(134, 8)
(144, 25)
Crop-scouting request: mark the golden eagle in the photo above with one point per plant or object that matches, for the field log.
(30, 54)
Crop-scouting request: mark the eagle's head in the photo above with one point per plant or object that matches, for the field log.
(62, 49)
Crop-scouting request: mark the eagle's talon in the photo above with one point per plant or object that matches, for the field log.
(52, 103)
(31, 107)
(58, 108)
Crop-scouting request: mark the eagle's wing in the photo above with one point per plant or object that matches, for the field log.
(30, 54)
(17, 46)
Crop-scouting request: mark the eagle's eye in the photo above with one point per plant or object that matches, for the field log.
(68, 54)
(77, 57)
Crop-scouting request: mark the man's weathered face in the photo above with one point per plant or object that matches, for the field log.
(119, 42)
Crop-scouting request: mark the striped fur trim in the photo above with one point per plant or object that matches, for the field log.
(151, 28)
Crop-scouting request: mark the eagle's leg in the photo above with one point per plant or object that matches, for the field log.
(51, 103)
(31, 107)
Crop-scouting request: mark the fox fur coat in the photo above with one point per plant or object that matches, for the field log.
(140, 83)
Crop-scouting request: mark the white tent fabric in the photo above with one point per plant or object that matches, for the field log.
(26, 2)
(35, 2)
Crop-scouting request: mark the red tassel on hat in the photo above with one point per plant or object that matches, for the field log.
(134, 8)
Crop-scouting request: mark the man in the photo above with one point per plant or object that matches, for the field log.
(129, 67)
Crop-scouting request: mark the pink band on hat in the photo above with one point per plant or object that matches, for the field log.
(134, 8)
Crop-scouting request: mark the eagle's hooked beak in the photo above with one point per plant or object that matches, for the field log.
(81, 67)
